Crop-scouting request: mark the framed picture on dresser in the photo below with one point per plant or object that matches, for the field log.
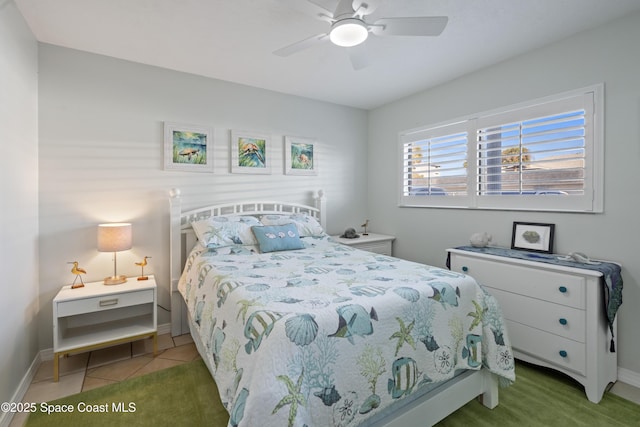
(532, 236)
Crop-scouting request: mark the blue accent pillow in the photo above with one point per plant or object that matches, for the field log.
(277, 237)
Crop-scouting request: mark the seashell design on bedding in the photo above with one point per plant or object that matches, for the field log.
(301, 329)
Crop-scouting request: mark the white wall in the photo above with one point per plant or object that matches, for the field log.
(101, 159)
(608, 54)
(18, 199)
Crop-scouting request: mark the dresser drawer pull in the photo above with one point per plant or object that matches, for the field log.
(563, 321)
(563, 289)
(108, 302)
(465, 268)
(563, 353)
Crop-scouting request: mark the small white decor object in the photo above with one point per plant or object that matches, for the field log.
(480, 240)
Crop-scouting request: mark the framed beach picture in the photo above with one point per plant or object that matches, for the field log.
(300, 157)
(250, 152)
(188, 148)
(531, 236)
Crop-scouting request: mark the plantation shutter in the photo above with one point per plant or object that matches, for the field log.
(434, 162)
(541, 154)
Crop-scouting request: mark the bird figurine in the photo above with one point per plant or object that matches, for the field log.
(141, 264)
(365, 225)
(77, 271)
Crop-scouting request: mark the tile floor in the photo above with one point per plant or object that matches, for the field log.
(84, 371)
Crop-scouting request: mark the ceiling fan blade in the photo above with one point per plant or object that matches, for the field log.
(365, 7)
(301, 45)
(416, 26)
(318, 9)
(359, 56)
(344, 9)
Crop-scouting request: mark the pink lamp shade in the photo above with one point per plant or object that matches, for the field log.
(114, 237)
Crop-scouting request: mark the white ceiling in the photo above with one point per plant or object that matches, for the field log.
(233, 40)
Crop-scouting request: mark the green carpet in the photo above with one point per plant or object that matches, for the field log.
(186, 396)
(543, 397)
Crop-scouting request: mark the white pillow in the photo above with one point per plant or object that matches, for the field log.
(219, 231)
(307, 225)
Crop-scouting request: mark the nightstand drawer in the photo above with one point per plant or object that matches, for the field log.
(372, 242)
(104, 302)
(382, 248)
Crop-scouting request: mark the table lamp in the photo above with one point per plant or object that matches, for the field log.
(114, 237)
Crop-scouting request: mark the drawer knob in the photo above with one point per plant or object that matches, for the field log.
(563, 321)
(465, 268)
(563, 289)
(563, 353)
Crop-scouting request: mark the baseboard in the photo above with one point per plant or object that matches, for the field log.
(629, 377)
(6, 417)
(46, 354)
(164, 329)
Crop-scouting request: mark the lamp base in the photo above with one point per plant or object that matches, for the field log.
(143, 278)
(115, 280)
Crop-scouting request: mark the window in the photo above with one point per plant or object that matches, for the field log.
(543, 155)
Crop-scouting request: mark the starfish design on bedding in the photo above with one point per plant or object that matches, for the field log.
(294, 398)
(403, 335)
(477, 315)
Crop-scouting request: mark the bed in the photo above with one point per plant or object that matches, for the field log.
(298, 330)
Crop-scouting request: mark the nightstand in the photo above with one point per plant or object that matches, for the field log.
(372, 242)
(98, 315)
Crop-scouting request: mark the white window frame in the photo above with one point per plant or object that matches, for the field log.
(592, 201)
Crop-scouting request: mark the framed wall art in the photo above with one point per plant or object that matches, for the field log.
(250, 152)
(531, 236)
(300, 156)
(188, 148)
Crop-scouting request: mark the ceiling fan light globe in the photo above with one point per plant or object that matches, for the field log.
(348, 32)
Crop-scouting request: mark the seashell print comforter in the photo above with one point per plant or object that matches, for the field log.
(331, 335)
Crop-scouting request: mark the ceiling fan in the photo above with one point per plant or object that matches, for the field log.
(349, 29)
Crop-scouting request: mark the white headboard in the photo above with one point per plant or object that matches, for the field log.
(182, 238)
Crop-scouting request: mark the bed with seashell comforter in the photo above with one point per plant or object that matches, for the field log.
(299, 330)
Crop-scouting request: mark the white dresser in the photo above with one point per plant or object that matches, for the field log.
(555, 315)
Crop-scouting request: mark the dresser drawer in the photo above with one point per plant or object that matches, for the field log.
(557, 350)
(560, 288)
(104, 302)
(557, 319)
